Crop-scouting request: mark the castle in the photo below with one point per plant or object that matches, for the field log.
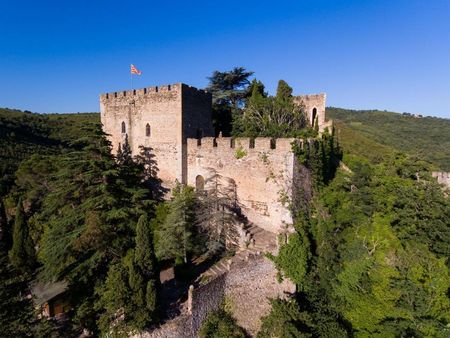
(175, 121)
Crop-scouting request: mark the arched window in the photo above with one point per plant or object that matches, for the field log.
(313, 116)
(199, 183)
(124, 129)
(147, 130)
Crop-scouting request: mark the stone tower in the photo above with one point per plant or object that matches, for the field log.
(314, 106)
(162, 118)
(176, 122)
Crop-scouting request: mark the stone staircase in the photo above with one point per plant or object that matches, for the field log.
(257, 242)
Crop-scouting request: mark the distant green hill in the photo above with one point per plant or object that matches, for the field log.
(23, 134)
(375, 134)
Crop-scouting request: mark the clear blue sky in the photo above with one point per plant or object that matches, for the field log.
(57, 56)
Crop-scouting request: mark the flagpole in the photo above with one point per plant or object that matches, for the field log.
(131, 79)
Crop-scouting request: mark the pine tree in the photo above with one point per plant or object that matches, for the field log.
(176, 235)
(218, 214)
(123, 155)
(284, 91)
(90, 216)
(22, 253)
(4, 233)
(16, 310)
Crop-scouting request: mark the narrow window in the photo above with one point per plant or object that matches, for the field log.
(199, 183)
(313, 117)
(147, 130)
(124, 129)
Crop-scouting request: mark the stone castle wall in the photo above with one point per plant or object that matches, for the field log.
(260, 177)
(176, 122)
(173, 112)
(246, 290)
(442, 177)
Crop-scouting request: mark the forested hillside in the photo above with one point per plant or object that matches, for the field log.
(375, 134)
(24, 133)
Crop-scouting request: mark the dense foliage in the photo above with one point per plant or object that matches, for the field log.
(86, 212)
(221, 324)
(24, 133)
(271, 116)
(375, 240)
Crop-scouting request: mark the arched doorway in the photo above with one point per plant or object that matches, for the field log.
(313, 117)
(199, 183)
(124, 128)
(147, 130)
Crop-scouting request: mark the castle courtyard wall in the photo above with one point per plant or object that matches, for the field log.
(261, 177)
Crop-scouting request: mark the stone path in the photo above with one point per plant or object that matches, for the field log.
(260, 241)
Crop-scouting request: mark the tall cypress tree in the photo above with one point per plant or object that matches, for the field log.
(16, 310)
(145, 261)
(3, 226)
(131, 286)
(22, 253)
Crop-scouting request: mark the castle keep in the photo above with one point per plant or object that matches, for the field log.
(175, 121)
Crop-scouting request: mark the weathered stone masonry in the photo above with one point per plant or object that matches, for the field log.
(262, 174)
(173, 113)
(175, 121)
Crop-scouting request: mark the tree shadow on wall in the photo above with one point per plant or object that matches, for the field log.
(219, 213)
(146, 158)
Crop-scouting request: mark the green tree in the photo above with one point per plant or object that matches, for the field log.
(220, 324)
(277, 116)
(256, 89)
(89, 216)
(176, 236)
(285, 320)
(284, 91)
(4, 231)
(16, 310)
(229, 87)
(218, 214)
(22, 253)
(136, 278)
(145, 260)
(229, 90)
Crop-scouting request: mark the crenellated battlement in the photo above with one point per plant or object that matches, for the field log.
(154, 90)
(245, 143)
(175, 121)
(320, 96)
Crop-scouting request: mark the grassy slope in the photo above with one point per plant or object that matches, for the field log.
(375, 134)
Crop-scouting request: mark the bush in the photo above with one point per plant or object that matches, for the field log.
(220, 324)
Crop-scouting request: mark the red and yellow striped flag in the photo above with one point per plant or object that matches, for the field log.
(134, 70)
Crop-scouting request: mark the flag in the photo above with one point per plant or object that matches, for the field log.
(134, 70)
